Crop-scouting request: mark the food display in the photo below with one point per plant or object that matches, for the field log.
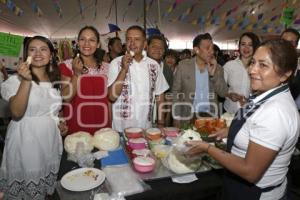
(152, 156)
(82, 137)
(181, 164)
(153, 134)
(141, 152)
(171, 131)
(161, 151)
(143, 164)
(206, 126)
(209, 125)
(106, 139)
(133, 132)
(137, 143)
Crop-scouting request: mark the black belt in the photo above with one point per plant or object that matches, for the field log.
(268, 189)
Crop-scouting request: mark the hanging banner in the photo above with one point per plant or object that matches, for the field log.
(10, 45)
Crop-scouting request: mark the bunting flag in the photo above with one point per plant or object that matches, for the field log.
(260, 16)
(220, 4)
(125, 12)
(110, 8)
(260, 5)
(274, 18)
(148, 6)
(10, 5)
(171, 8)
(80, 9)
(112, 28)
(57, 8)
(96, 9)
(184, 15)
(297, 21)
(35, 8)
(153, 31)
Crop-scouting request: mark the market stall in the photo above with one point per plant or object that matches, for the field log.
(168, 178)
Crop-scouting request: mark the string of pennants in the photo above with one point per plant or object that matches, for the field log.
(232, 19)
(10, 5)
(243, 19)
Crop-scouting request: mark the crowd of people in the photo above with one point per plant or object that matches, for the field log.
(147, 85)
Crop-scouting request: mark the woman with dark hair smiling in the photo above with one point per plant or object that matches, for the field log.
(84, 87)
(33, 143)
(263, 134)
(235, 73)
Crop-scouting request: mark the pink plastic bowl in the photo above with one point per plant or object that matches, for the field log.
(171, 131)
(137, 143)
(141, 152)
(134, 132)
(143, 164)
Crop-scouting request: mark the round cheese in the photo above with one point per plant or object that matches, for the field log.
(106, 139)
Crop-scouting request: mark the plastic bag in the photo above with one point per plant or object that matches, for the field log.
(82, 157)
(122, 181)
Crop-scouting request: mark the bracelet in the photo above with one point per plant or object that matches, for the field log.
(208, 148)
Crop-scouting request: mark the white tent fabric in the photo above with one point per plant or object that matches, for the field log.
(176, 22)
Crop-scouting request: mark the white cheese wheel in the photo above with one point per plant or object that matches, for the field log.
(179, 164)
(72, 140)
(188, 135)
(106, 139)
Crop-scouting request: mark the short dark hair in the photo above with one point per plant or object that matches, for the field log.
(292, 30)
(197, 40)
(283, 55)
(111, 41)
(254, 38)
(158, 37)
(136, 27)
(173, 53)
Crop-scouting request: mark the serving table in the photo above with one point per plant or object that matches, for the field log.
(207, 186)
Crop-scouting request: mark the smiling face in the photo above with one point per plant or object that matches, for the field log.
(40, 53)
(88, 42)
(263, 72)
(246, 47)
(156, 49)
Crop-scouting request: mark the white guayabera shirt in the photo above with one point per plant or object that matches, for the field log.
(143, 81)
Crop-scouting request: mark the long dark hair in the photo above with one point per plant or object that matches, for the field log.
(99, 52)
(51, 68)
(254, 39)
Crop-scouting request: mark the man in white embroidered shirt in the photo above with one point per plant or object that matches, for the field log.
(134, 80)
